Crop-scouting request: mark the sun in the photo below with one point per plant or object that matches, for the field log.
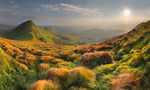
(127, 12)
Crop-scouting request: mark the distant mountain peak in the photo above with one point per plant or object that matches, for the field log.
(28, 23)
(28, 31)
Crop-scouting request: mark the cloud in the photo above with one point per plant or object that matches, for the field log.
(68, 8)
(50, 7)
(14, 5)
(71, 9)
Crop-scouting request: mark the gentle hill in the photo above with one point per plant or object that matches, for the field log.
(28, 31)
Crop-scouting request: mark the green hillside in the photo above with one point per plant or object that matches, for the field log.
(130, 67)
(122, 63)
(28, 31)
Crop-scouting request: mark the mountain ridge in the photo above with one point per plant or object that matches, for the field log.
(28, 31)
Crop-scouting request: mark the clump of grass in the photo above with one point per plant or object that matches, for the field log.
(81, 76)
(65, 55)
(44, 85)
(43, 66)
(74, 56)
(47, 58)
(23, 67)
(97, 58)
(54, 74)
(58, 60)
(10, 52)
(59, 75)
(50, 59)
(30, 58)
(103, 47)
(125, 81)
(76, 77)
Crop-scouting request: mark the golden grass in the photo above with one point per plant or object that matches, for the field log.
(97, 57)
(56, 73)
(83, 72)
(78, 76)
(125, 81)
(43, 66)
(47, 58)
(75, 56)
(24, 67)
(44, 85)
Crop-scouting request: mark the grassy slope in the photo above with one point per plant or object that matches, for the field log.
(131, 55)
(28, 31)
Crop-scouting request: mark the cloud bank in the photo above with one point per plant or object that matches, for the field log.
(71, 9)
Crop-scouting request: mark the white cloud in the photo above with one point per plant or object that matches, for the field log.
(50, 7)
(14, 5)
(68, 8)
(71, 9)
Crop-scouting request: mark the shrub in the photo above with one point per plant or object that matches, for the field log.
(47, 58)
(56, 74)
(81, 76)
(97, 58)
(43, 66)
(43, 85)
(65, 55)
(58, 60)
(125, 81)
(50, 59)
(82, 49)
(103, 47)
(73, 57)
(60, 75)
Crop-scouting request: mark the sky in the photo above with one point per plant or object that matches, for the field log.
(108, 14)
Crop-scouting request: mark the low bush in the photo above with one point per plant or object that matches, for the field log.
(59, 75)
(125, 81)
(81, 76)
(97, 58)
(43, 66)
(56, 74)
(65, 55)
(44, 85)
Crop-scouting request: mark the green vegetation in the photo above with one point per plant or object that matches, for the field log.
(28, 31)
(122, 63)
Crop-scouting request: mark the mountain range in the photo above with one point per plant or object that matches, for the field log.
(93, 35)
(76, 35)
